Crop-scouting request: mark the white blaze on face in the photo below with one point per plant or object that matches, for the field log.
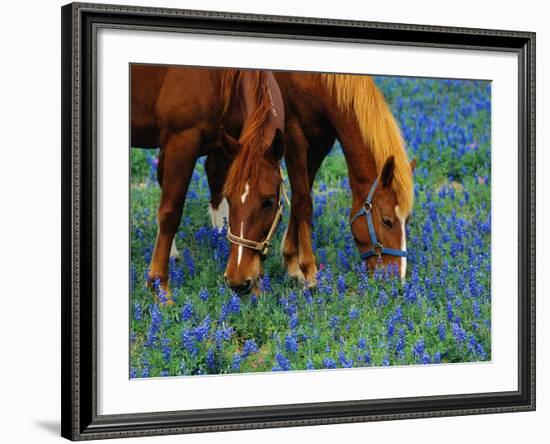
(240, 250)
(245, 193)
(219, 215)
(402, 221)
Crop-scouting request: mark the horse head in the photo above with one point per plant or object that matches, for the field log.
(378, 225)
(254, 192)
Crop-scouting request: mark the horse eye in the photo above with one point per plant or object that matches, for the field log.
(387, 222)
(268, 203)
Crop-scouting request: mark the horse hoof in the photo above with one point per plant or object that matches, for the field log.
(310, 284)
(293, 269)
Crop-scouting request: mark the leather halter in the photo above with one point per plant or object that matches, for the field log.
(263, 247)
(377, 248)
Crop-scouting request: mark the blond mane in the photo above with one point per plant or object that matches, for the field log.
(379, 129)
(246, 165)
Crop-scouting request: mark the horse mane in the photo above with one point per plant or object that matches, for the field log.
(379, 129)
(246, 165)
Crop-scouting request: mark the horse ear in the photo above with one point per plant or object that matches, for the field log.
(230, 146)
(387, 172)
(413, 165)
(278, 146)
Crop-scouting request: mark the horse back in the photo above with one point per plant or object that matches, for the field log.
(170, 99)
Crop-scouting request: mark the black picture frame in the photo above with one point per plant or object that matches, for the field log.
(78, 332)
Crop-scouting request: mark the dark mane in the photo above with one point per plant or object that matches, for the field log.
(246, 165)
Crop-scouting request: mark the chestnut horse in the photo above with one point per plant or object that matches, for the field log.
(192, 112)
(319, 109)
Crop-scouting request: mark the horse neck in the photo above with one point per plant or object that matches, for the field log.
(361, 164)
(260, 103)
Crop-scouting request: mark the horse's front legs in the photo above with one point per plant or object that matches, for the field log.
(179, 154)
(297, 246)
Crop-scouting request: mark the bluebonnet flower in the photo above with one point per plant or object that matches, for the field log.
(441, 331)
(145, 371)
(329, 363)
(309, 365)
(343, 361)
(202, 330)
(382, 298)
(189, 262)
(166, 350)
(341, 284)
(343, 261)
(283, 363)
(137, 311)
(291, 344)
(419, 348)
(222, 334)
(353, 313)
(362, 343)
(265, 283)
(187, 311)
(236, 363)
(400, 344)
(232, 306)
(390, 326)
(450, 312)
(293, 322)
(476, 310)
(308, 296)
(133, 372)
(458, 333)
(203, 294)
(175, 273)
(410, 293)
(210, 359)
(250, 347)
(189, 342)
(156, 321)
(367, 358)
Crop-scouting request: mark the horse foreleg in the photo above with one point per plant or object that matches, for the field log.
(179, 157)
(174, 253)
(297, 247)
(290, 249)
(216, 167)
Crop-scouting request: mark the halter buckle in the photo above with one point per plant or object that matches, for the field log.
(377, 249)
(263, 253)
(367, 206)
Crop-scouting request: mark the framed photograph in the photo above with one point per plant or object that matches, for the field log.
(280, 221)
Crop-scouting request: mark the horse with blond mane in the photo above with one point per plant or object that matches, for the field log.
(320, 108)
(192, 112)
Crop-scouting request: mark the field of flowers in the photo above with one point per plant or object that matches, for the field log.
(440, 314)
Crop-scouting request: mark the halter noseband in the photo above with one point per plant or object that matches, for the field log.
(377, 248)
(263, 247)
